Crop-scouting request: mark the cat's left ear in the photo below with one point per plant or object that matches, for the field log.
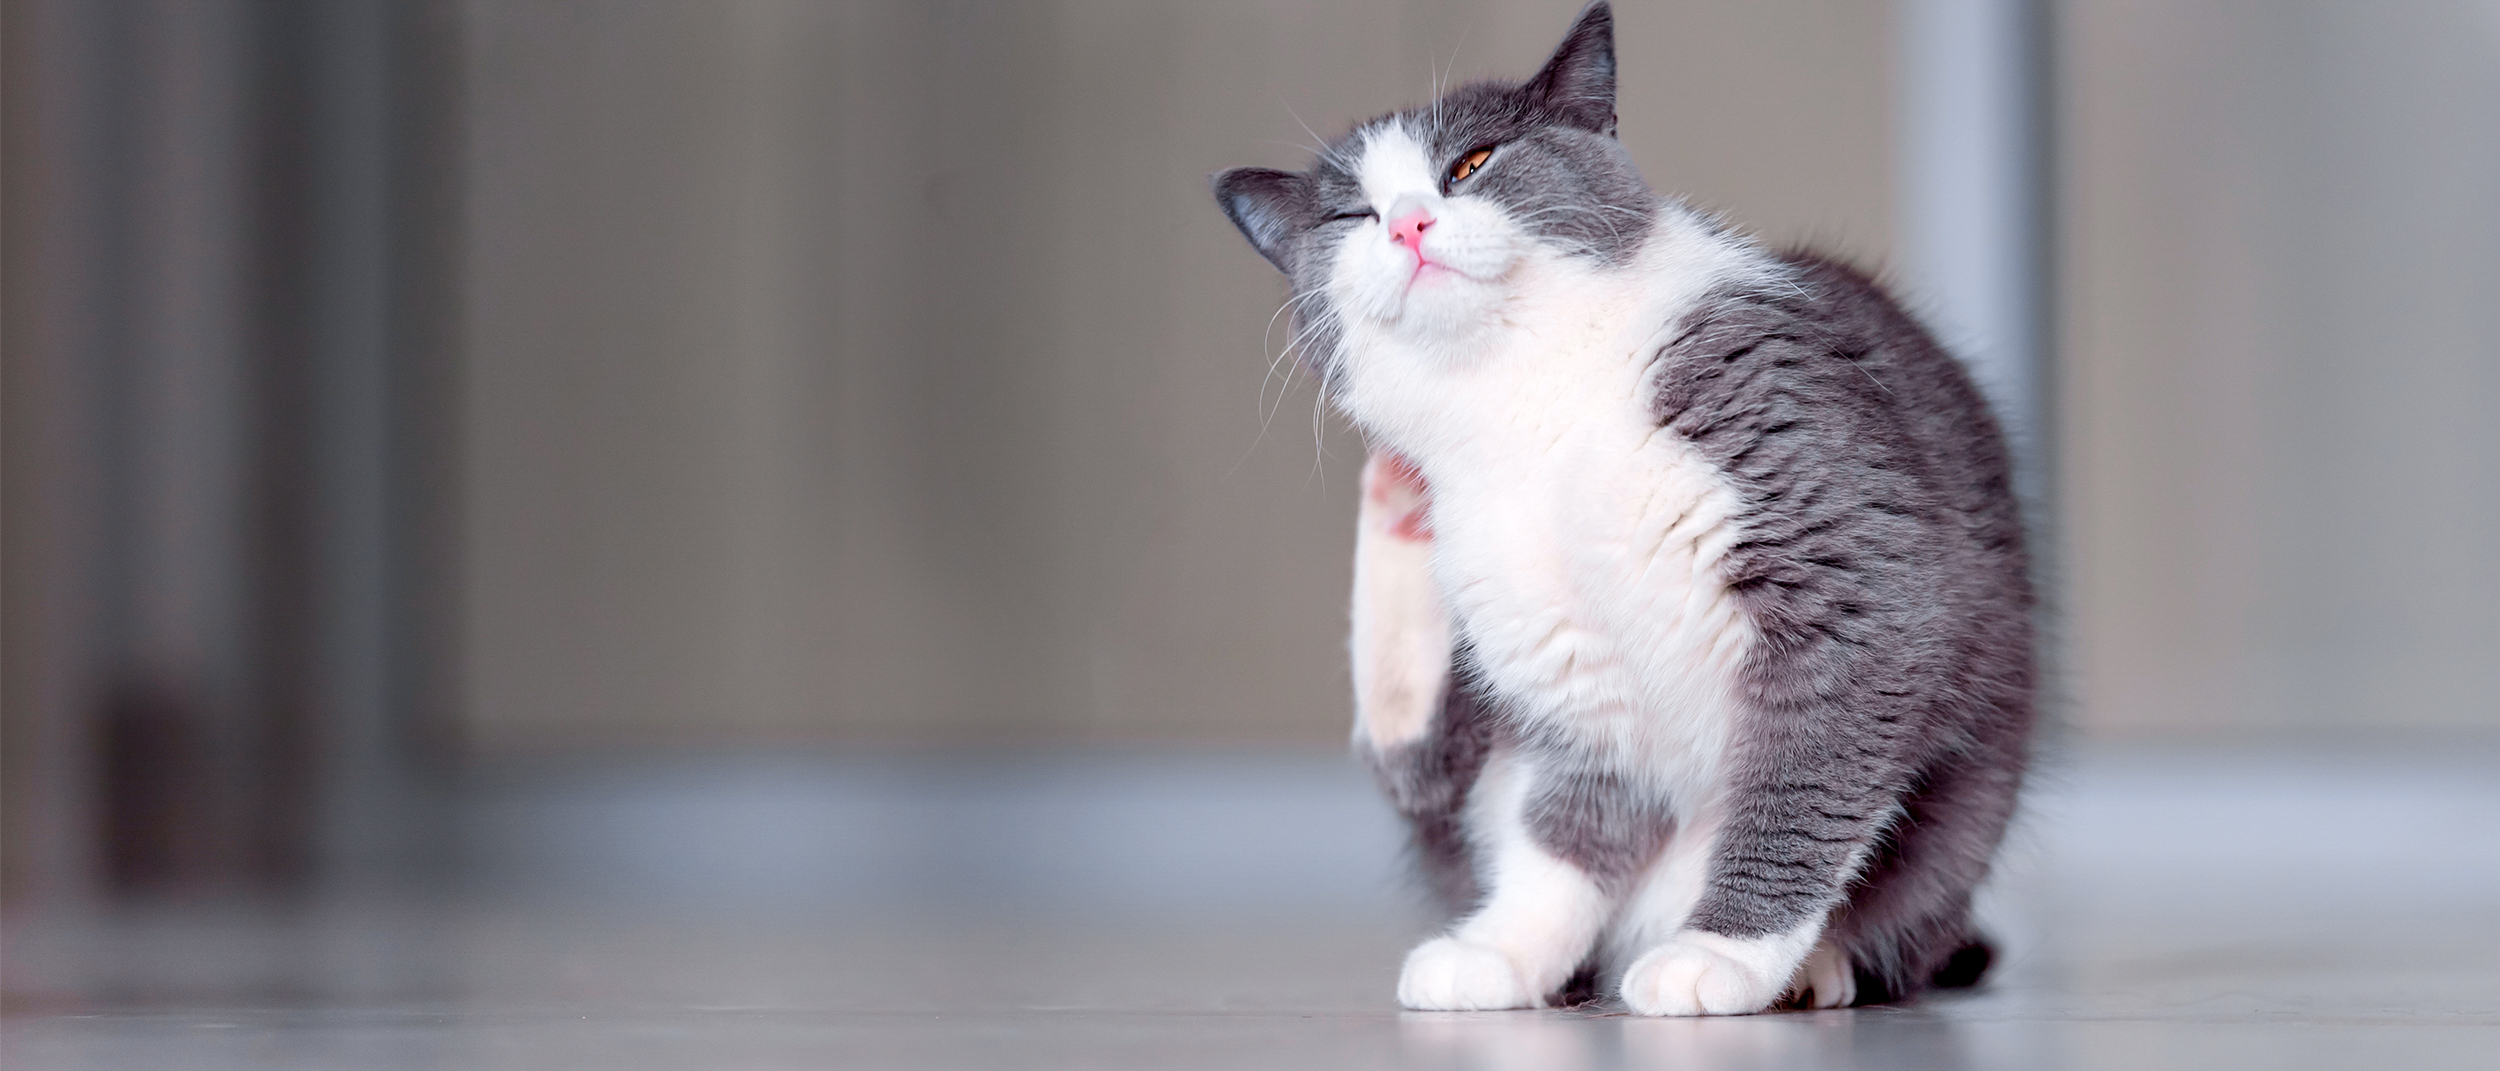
(1579, 82)
(1269, 206)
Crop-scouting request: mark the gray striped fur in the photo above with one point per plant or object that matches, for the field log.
(1890, 696)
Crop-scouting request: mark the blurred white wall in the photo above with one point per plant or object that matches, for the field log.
(2281, 357)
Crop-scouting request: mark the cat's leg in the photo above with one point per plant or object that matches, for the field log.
(1423, 731)
(1428, 738)
(1707, 970)
(1401, 637)
(1794, 824)
(1907, 924)
(1538, 921)
(1662, 954)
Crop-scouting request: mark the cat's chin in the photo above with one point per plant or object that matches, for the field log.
(1442, 305)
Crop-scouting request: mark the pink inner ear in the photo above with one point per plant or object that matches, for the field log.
(1391, 485)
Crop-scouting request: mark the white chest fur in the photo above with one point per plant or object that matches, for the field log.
(1578, 543)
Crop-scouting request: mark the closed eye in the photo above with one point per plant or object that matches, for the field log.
(1362, 214)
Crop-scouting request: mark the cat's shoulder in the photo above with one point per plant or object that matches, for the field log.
(1792, 295)
(1796, 302)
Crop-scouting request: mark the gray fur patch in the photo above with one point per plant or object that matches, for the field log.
(1883, 562)
(1594, 819)
(1428, 781)
(1269, 207)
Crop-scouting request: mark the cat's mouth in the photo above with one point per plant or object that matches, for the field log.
(1432, 295)
(1428, 269)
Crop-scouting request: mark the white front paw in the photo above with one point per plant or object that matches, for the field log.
(1447, 974)
(1702, 974)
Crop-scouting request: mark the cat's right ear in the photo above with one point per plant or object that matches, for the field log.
(1579, 82)
(1269, 206)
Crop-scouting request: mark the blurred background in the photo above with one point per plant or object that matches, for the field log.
(843, 441)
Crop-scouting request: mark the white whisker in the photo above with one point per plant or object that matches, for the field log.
(1325, 152)
(1290, 343)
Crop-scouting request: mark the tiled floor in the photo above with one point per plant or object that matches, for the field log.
(2332, 907)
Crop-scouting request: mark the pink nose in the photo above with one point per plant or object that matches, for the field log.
(1408, 230)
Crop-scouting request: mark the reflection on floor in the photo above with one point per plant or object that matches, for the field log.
(2207, 908)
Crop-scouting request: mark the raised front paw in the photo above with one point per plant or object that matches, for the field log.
(1396, 497)
(1447, 974)
(1706, 974)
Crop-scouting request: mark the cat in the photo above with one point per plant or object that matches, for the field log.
(1692, 627)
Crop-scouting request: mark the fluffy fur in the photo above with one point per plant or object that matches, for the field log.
(1691, 627)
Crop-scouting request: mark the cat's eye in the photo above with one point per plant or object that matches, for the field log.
(1358, 214)
(1468, 164)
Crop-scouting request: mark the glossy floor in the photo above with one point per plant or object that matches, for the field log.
(2206, 908)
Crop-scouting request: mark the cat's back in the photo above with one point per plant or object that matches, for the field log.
(1930, 392)
(1883, 536)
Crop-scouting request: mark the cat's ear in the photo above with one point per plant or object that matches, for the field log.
(1579, 82)
(1269, 206)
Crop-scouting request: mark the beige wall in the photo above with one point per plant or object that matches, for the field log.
(884, 371)
(2281, 361)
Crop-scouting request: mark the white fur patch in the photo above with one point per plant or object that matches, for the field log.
(1668, 892)
(1394, 165)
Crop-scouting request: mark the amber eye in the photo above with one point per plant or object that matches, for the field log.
(1468, 164)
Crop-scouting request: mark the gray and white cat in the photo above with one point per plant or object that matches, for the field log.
(1692, 630)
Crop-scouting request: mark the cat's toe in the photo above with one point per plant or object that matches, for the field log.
(1688, 976)
(1447, 974)
(1826, 980)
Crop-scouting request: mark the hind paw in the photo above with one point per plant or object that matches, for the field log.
(1826, 980)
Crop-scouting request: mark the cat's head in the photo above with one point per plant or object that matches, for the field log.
(1419, 223)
